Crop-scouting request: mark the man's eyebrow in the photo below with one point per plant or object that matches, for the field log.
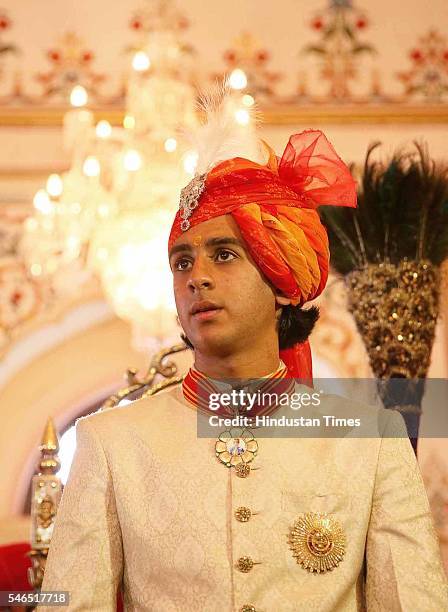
(217, 241)
(221, 240)
(180, 247)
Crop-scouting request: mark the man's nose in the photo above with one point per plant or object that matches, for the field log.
(200, 277)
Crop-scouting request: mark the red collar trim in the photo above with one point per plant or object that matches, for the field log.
(197, 387)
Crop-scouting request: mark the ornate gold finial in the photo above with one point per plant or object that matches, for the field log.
(50, 439)
(45, 498)
(318, 542)
(49, 463)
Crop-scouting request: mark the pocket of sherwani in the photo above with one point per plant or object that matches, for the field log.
(296, 502)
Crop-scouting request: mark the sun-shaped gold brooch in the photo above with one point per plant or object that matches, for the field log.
(318, 542)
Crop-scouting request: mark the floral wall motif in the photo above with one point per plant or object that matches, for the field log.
(316, 51)
(428, 76)
(163, 16)
(154, 16)
(340, 48)
(5, 46)
(247, 54)
(70, 63)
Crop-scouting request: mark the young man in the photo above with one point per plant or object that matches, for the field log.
(187, 523)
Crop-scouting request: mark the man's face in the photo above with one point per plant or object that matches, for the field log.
(223, 301)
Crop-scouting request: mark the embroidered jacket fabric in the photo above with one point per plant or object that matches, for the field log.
(148, 505)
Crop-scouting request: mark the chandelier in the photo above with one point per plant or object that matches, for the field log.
(109, 215)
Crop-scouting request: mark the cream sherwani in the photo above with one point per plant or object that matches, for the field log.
(148, 506)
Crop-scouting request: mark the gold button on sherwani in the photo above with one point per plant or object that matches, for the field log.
(245, 564)
(243, 514)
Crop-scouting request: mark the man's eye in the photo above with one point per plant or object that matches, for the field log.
(181, 264)
(225, 255)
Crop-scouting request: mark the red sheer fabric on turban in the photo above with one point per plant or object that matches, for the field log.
(274, 206)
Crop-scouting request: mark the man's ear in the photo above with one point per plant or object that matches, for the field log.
(282, 300)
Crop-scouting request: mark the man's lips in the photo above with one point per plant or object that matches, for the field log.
(204, 310)
(205, 315)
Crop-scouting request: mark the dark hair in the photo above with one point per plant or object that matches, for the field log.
(295, 325)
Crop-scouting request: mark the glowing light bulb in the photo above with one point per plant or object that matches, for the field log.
(190, 162)
(91, 166)
(170, 145)
(103, 129)
(72, 244)
(248, 100)
(103, 209)
(129, 122)
(242, 116)
(78, 96)
(55, 185)
(36, 269)
(132, 160)
(238, 79)
(42, 202)
(141, 61)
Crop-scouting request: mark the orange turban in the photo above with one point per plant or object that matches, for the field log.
(274, 206)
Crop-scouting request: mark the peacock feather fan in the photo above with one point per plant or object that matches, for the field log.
(402, 213)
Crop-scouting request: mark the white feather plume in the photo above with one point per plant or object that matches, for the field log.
(221, 137)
